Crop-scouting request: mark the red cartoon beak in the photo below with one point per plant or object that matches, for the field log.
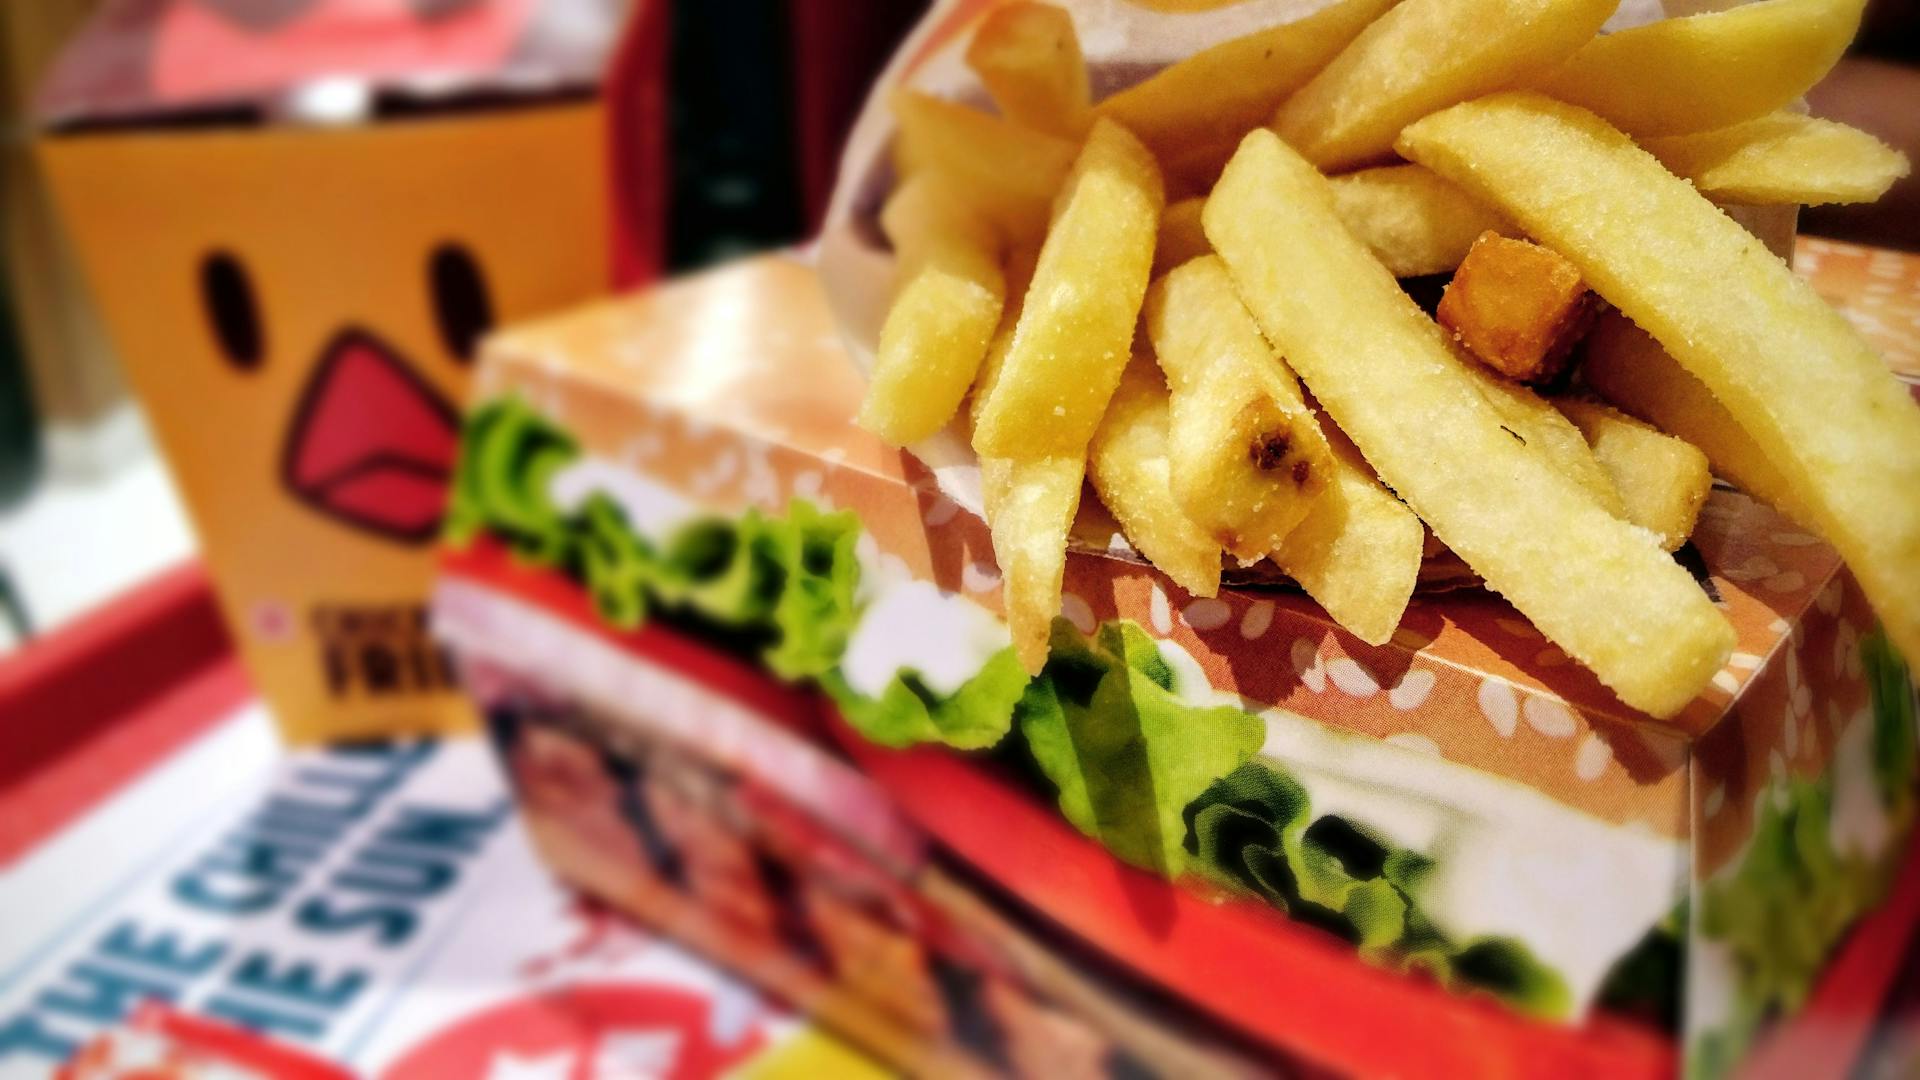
(372, 443)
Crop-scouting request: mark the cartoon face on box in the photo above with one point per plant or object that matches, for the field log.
(297, 309)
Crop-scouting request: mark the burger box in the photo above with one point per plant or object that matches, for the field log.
(733, 650)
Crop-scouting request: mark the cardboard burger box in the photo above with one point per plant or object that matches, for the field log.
(747, 669)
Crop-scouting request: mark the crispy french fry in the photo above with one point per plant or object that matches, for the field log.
(1425, 55)
(1790, 370)
(1357, 552)
(1517, 307)
(1010, 172)
(1534, 421)
(1628, 368)
(1030, 506)
(1783, 158)
(1707, 71)
(1180, 237)
(1075, 330)
(1018, 275)
(1192, 113)
(1413, 221)
(1130, 470)
(1662, 479)
(1246, 451)
(937, 330)
(1029, 58)
(1597, 586)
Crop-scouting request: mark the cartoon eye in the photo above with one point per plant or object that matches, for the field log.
(232, 310)
(461, 306)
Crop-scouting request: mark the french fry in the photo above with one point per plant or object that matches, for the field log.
(1030, 506)
(1630, 369)
(1783, 158)
(1180, 238)
(1357, 552)
(1517, 307)
(1707, 71)
(1130, 470)
(943, 316)
(1789, 369)
(1534, 421)
(1075, 330)
(1010, 172)
(1413, 221)
(1425, 55)
(1246, 451)
(1662, 479)
(1597, 586)
(1029, 58)
(1192, 113)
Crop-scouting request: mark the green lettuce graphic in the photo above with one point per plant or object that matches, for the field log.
(975, 717)
(783, 585)
(1791, 898)
(1124, 752)
(1254, 831)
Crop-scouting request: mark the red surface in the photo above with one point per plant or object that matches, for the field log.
(838, 48)
(86, 709)
(637, 157)
(490, 563)
(1278, 981)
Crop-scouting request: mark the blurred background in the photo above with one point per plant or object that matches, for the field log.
(744, 110)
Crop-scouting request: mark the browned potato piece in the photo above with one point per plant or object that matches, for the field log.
(1076, 325)
(1517, 307)
(1030, 506)
(1130, 470)
(1029, 59)
(1662, 479)
(1181, 237)
(1248, 458)
(1009, 171)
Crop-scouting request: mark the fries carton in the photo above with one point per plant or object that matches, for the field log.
(748, 669)
(296, 225)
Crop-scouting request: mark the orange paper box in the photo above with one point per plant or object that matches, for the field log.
(296, 308)
(749, 669)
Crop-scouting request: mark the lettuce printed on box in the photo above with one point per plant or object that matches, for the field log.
(1166, 776)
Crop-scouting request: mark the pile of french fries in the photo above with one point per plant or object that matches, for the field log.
(1186, 298)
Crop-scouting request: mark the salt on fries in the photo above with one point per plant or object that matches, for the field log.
(1146, 350)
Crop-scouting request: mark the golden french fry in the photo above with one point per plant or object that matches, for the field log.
(1662, 479)
(1595, 585)
(1425, 55)
(1192, 113)
(1030, 506)
(1517, 307)
(1783, 158)
(1792, 372)
(937, 330)
(1630, 369)
(1010, 172)
(1413, 221)
(1180, 237)
(1357, 552)
(1246, 451)
(1018, 275)
(1130, 470)
(1707, 71)
(1540, 427)
(1075, 330)
(1029, 58)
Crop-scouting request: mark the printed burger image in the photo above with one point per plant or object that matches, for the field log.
(1293, 537)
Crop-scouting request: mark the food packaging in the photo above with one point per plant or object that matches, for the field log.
(720, 635)
(296, 220)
